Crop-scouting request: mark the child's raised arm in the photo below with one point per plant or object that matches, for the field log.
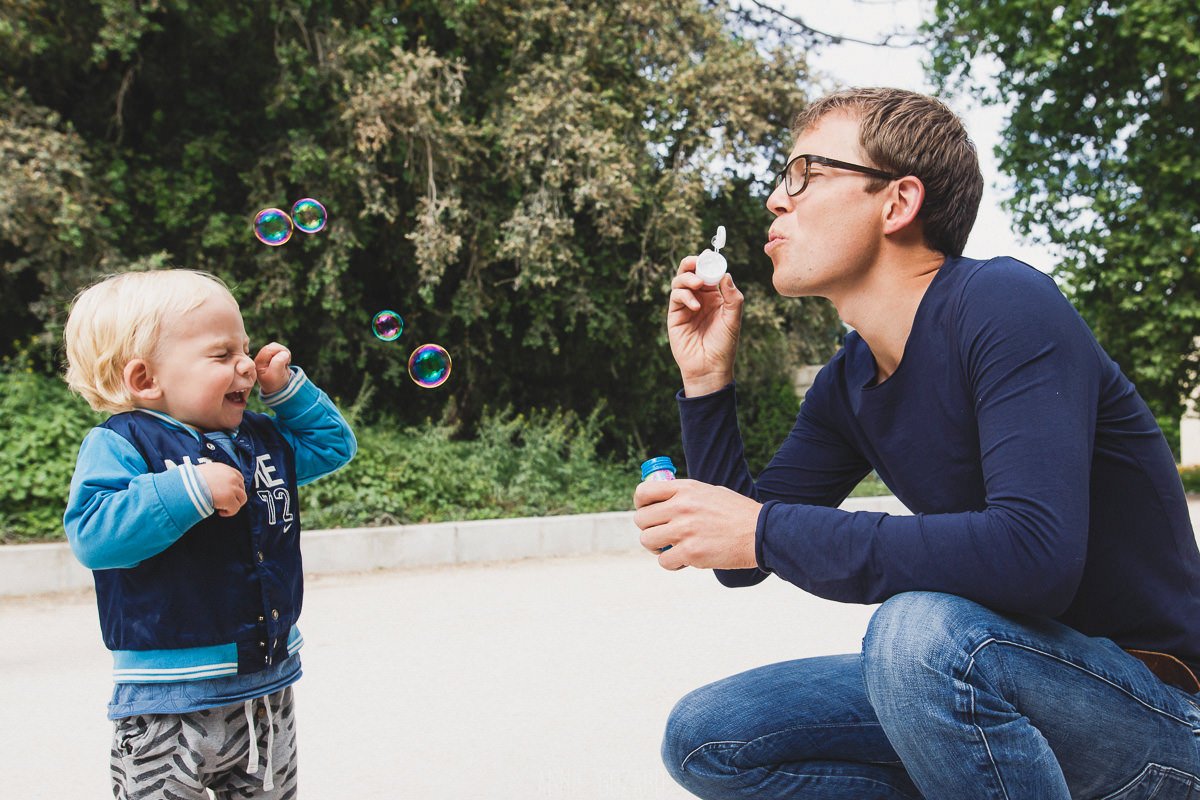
(311, 424)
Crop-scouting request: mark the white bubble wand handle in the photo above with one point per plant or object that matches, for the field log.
(718, 241)
(711, 265)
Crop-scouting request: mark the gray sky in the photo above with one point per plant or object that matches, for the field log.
(860, 65)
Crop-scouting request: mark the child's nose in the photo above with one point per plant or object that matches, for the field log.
(245, 365)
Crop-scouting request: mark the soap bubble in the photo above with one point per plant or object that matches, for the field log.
(272, 227)
(388, 325)
(310, 215)
(429, 366)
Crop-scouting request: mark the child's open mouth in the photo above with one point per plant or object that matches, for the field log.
(237, 398)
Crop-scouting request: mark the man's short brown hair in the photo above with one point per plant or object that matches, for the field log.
(907, 133)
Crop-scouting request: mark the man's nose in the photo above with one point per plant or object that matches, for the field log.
(778, 202)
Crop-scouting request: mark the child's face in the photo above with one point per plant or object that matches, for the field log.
(203, 366)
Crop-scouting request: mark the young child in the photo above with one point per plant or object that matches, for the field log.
(184, 506)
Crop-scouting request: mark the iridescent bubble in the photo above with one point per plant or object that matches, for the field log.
(310, 215)
(429, 366)
(272, 226)
(388, 325)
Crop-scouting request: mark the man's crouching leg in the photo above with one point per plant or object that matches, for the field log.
(987, 705)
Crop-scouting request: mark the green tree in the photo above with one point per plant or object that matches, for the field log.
(1100, 141)
(517, 179)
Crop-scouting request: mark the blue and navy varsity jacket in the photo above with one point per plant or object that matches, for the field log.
(183, 593)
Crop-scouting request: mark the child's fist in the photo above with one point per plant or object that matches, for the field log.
(271, 364)
(226, 486)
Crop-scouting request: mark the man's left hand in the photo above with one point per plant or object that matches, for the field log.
(709, 527)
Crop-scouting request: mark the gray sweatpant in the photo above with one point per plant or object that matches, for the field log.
(179, 756)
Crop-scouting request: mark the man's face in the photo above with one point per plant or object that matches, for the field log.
(826, 238)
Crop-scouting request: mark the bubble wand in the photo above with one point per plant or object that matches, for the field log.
(711, 265)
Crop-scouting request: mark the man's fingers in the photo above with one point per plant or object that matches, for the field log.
(687, 280)
(683, 298)
(672, 559)
(657, 538)
(650, 492)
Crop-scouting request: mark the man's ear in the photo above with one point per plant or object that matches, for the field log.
(907, 195)
(139, 380)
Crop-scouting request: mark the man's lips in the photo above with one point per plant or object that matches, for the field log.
(773, 241)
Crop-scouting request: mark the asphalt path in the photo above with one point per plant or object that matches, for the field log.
(544, 678)
(547, 678)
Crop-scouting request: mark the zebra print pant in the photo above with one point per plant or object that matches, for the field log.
(180, 756)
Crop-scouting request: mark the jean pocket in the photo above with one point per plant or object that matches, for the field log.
(1157, 782)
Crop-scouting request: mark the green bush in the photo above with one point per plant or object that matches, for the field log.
(541, 464)
(41, 426)
(1191, 479)
(519, 465)
(871, 486)
(766, 414)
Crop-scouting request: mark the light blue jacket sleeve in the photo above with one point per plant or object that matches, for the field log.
(312, 425)
(119, 513)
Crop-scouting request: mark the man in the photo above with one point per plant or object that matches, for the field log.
(1051, 533)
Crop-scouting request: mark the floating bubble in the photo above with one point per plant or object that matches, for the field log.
(272, 227)
(388, 325)
(310, 215)
(429, 366)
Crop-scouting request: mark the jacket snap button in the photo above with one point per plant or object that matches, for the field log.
(274, 613)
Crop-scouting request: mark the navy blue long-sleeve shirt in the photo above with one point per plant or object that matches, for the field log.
(1040, 481)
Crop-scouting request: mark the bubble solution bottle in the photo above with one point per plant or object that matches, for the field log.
(659, 468)
(710, 264)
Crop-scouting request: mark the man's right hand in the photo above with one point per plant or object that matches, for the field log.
(226, 485)
(703, 325)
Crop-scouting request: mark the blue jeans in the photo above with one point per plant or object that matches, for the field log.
(947, 701)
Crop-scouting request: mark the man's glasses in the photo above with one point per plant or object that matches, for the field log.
(795, 175)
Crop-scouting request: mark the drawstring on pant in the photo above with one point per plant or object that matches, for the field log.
(252, 761)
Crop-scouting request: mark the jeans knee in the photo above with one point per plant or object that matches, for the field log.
(683, 733)
(911, 639)
(695, 748)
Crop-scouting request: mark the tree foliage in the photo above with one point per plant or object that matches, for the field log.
(517, 179)
(1100, 140)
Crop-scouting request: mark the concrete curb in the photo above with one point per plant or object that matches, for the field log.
(45, 568)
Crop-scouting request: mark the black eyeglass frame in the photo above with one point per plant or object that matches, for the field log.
(810, 159)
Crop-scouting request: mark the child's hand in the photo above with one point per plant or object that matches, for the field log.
(226, 485)
(271, 364)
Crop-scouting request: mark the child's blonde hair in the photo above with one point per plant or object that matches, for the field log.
(120, 318)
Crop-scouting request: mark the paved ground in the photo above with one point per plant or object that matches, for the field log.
(535, 679)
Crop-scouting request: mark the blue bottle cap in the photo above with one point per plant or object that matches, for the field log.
(657, 463)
